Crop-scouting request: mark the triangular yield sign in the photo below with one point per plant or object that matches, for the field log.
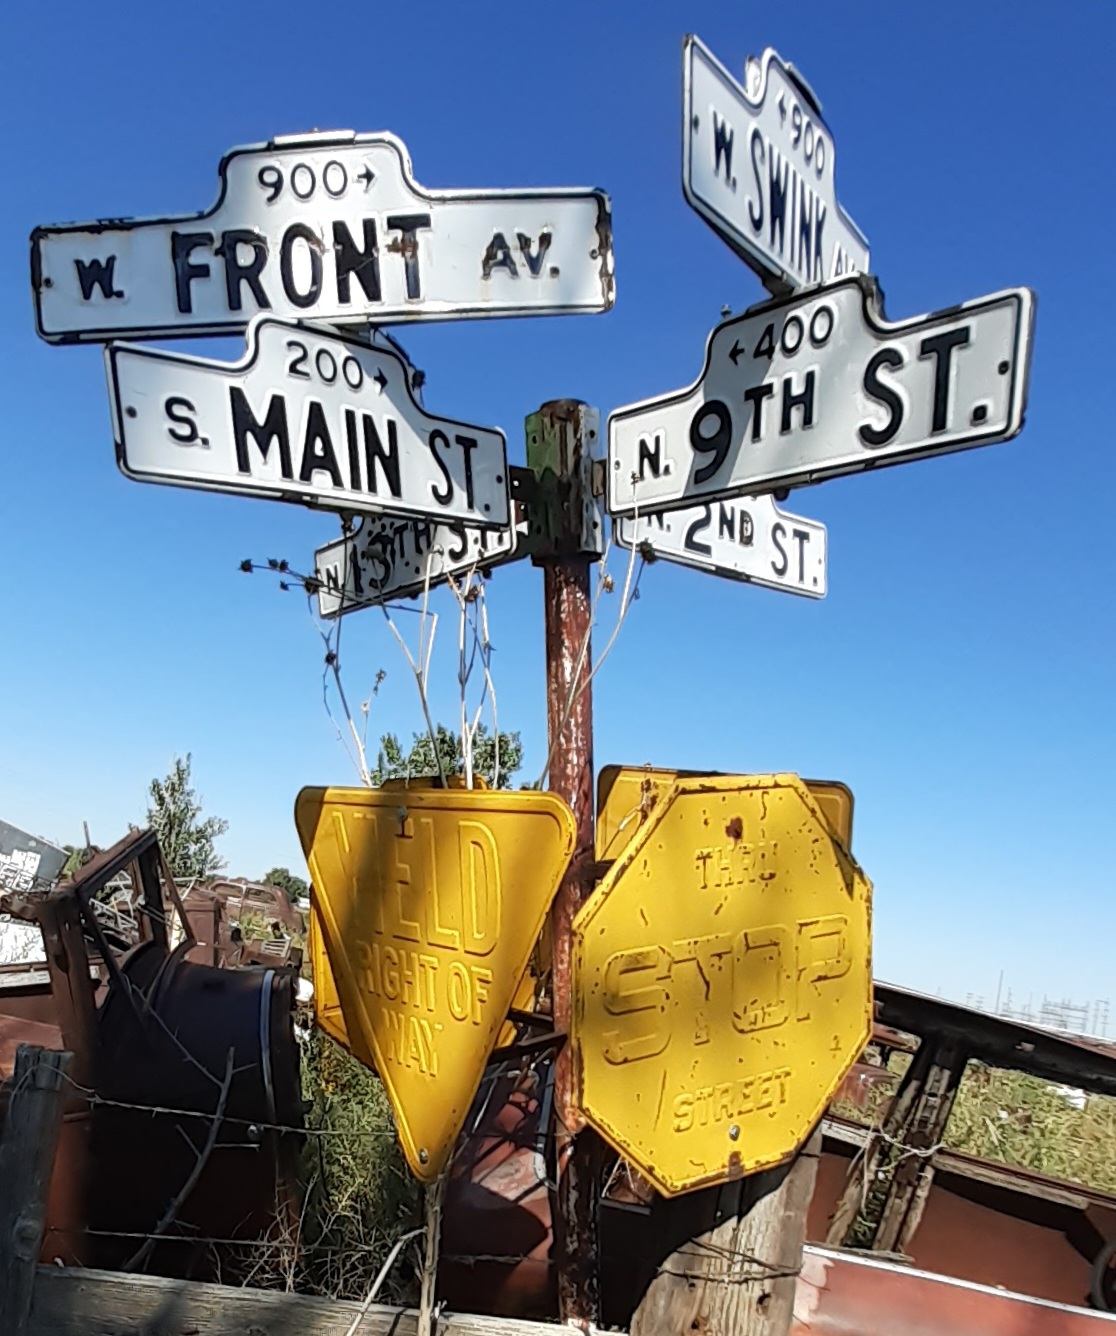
(429, 902)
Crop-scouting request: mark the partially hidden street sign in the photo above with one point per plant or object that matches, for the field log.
(328, 227)
(722, 981)
(750, 540)
(820, 385)
(306, 416)
(429, 902)
(388, 557)
(327, 1003)
(628, 794)
(757, 164)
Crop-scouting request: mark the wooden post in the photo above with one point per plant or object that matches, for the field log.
(27, 1145)
(565, 540)
(738, 1278)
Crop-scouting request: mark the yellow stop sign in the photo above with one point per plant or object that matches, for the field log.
(722, 981)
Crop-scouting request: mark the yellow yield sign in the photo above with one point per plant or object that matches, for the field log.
(428, 903)
(722, 980)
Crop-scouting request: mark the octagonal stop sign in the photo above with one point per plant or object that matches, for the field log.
(722, 981)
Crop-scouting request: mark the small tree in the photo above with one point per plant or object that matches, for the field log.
(286, 880)
(394, 763)
(175, 813)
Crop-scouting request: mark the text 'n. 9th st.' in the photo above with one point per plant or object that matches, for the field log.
(798, 391)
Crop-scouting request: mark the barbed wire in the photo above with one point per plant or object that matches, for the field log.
(260, 1125)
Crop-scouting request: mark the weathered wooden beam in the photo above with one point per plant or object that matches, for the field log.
(27, 1145)
(920, 1138)
(739, 1277)
(896, 1166)
(1083, 1063)
(102, 1303)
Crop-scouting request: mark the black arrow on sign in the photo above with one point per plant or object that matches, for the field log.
(737, 352)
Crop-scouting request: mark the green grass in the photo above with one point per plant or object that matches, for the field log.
(1018, 1120)
(360, 1195)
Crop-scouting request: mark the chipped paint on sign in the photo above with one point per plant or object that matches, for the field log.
(722, 980)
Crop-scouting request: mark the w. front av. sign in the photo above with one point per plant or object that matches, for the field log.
(324, 227)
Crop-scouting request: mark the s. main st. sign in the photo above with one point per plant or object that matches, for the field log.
(324, 227)
(306, 416)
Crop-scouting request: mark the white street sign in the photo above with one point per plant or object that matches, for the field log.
(750, 539)
(757, 164)
(305, 416)
(391, 558)
(798, 391)
(327, 227)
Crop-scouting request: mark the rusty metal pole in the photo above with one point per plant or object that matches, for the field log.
(566, 539)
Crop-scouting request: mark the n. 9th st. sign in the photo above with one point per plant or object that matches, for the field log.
(329, 227)
(821, 385)
(722, 981)
(429, 903)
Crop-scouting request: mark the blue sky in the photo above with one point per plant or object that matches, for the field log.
(959, 674)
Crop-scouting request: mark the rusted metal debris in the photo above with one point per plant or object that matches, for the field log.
(999, 1249)
(840, 1294)
(152, 1030)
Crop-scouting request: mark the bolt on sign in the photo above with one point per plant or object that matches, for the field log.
(757, 164)
(324, 227)
(722, 981)
(308, 416)
(820, 385)
(388, 557)
(751, 540)
(628, 794)
(429, 904)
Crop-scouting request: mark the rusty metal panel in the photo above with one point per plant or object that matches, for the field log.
(722, 981)
(429, 903)
(842, 1295)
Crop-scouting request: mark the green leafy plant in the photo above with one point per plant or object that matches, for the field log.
(421, 759)
(187, 840)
